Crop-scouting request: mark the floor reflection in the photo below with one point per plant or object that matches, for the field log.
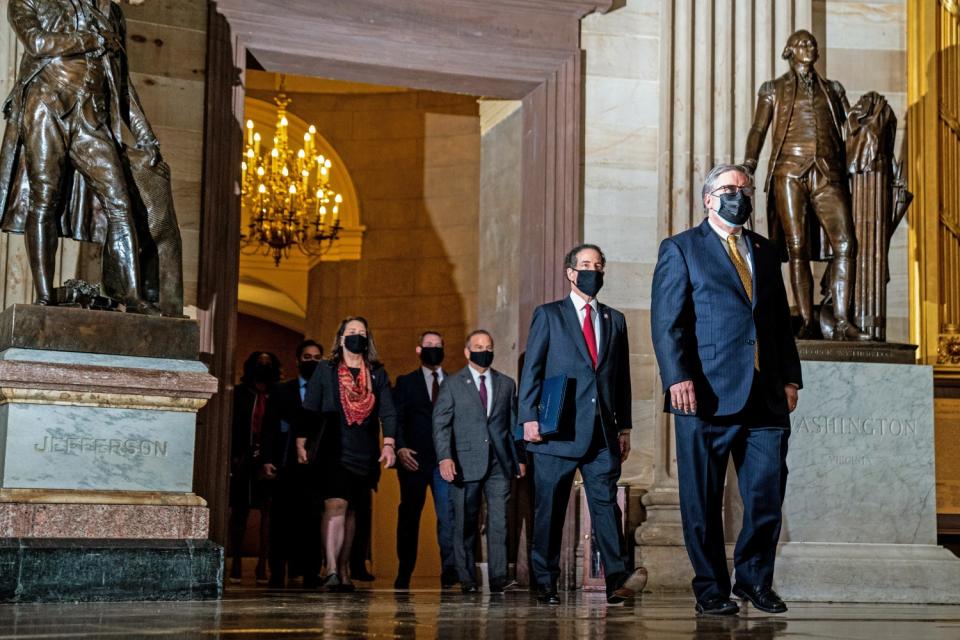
(435, 615)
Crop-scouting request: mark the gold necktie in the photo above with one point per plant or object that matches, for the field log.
(744, 272)
(742, 269)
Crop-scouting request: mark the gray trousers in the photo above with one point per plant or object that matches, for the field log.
(466, 498)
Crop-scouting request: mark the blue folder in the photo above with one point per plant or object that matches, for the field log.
(552, 396)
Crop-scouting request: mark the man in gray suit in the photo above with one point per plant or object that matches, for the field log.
(473, 434)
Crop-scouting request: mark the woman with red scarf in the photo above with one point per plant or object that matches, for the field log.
(346, 405)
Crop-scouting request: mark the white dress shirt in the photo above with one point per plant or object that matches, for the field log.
(486, 382)
(579, 304)
(303, 387)
(428, 378)
(741, 243)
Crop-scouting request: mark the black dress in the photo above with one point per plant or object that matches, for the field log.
(346, 456)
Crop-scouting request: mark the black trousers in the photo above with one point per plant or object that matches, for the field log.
(757, 442)
(295, 536)
(553, 479)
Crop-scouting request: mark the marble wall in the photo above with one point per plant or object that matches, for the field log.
(414, 158)
(498, 307)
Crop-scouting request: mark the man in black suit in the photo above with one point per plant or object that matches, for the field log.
(473, 425)
(587, 342)
(414, 396)
(294, 522)
(731, 375)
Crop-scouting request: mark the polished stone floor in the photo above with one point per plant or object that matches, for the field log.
(247, 612)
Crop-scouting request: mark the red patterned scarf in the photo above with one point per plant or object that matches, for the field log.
(356, 394)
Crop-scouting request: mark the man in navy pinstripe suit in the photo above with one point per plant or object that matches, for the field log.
(731, 374)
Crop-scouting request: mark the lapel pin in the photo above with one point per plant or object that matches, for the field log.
(607, 316)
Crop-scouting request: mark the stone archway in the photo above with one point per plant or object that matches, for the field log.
(526, 50)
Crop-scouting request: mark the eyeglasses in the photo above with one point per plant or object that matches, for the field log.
(731, 189)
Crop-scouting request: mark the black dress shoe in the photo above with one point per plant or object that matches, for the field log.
(401, 584)
(617, 592)
(363, 576)
(469, 588)
(548, 596)
(717, 606)
(502, 586)
(763, 598)
(449, 578)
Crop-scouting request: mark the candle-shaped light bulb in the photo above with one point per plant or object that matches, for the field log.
(323, 171)
(260, 172)
(338, 198)
(312, 130)
(293, 189)
(284, 172)
(328, 164)
(275, 152)
(262, 189)
(301, 154)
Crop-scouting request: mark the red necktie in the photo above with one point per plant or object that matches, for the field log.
(436, 388)
(588, 334)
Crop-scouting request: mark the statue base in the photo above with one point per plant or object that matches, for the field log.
(859, 518)
(97, 432)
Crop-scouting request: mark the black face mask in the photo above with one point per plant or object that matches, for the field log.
(263, 373)
(306, 368)
(482, 359)
(431, 356)
(356, 343)
(735, 208)
(590, 281)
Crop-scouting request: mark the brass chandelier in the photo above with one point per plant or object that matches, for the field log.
(287, 194)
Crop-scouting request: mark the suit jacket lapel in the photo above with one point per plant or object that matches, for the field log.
(422, 381)
(576, 331)
(754, 248)
(714, 246)
(606, 329)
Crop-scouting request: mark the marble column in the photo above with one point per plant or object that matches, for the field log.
(714, 55)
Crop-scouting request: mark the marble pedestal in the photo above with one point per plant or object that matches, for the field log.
(860, 511)
(97, 433)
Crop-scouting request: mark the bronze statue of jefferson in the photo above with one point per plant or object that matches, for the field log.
(62, 162)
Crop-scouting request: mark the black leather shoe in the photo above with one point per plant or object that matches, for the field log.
(763, 598)
(363, 576)
(717, 607)
(502, 586)
(469, 588)
(548, 596)
(449, 578)
(401, 584)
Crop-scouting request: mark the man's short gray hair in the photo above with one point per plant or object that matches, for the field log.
(710, 182)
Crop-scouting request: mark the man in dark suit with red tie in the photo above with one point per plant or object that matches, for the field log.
(414, 396)
(586, 342)
(731, 374)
